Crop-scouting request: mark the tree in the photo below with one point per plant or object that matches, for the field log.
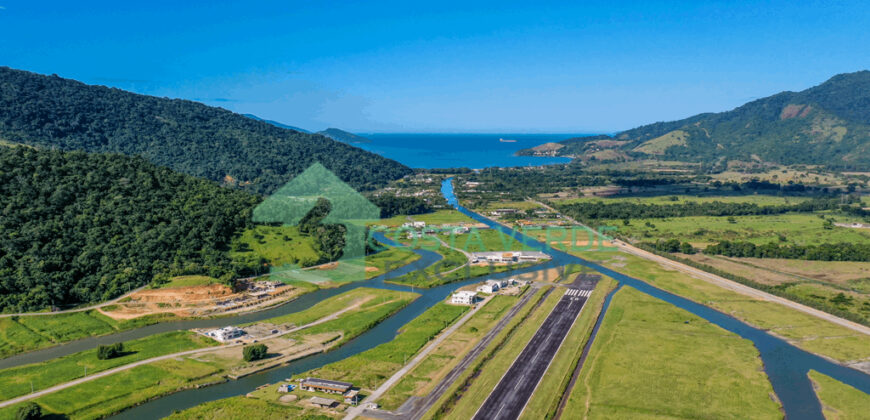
(255, 352)
(29, 411)
(110, 352)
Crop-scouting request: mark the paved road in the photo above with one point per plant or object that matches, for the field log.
(415, 407)
(356, 411)
(159, 358)
(513, 391)
(725, 283)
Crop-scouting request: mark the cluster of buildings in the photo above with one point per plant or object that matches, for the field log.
(508, 257)
(419, 229)
(467, 297)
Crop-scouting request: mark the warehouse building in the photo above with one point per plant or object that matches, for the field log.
(325, 385)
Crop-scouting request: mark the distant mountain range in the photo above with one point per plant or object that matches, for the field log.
(343, 136)
(189, 137)
(828, 125)
(277, 124)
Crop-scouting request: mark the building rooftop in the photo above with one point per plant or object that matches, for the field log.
(326, 383)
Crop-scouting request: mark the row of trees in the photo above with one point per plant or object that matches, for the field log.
(78, 228)
(825, 252)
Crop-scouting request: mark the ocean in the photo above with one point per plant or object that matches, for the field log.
(460, 150)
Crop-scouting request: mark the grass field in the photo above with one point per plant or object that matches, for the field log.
(801, 229)
(27, 333)
(279, 245)
(545, 401)
(110, 394)
(241, 408)
(363, 296)
(437, 217)
(840, 401)
(845, 274)
(760, 199)
(17, 381)
(652, 359)
(188, 281)
(96, 399)
(495, 368)
(420, 380)
(369, 368)
(806, 331)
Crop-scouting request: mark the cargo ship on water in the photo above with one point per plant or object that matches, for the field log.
(507, 141)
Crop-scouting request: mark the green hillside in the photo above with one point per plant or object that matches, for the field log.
(189, 137)
(78, 227)
(828, 125)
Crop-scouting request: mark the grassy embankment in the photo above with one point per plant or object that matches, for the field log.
(239, 408)
(840, 401)
(653, 359)
(471, 389)
(17, 381)
(806, 331)
(28, 333)
(420, 380)
(107, 395)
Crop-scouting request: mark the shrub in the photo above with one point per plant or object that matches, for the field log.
(255, 352)
(110, 352)
(29, 411)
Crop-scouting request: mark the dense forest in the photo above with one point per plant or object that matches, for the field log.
(79, 227)
(828, 124)
(391, 205)
(189, 137)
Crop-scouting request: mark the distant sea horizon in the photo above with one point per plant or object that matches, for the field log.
(456, 150)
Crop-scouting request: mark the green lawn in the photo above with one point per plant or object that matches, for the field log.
(492, 371)
(371, 367)
(840, 401)
(801, 229)
(652, 359)
(17, 381)
(441, 217)
(110, 394)
(242, 408)
(364, 296)
(278, 245)
(27, 333)
(440, 361)
(803, 330)
(189, 281)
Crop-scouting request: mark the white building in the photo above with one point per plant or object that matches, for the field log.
(508, 257)
(463, 297)
(226, 333)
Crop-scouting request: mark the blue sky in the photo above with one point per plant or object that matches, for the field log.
(446, 66)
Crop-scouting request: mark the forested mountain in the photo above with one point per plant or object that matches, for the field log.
(343, 136)
(78, 227)
(190, 137)
(828, 124)
(277, 124)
